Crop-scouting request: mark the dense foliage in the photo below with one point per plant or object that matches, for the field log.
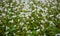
(29, 17)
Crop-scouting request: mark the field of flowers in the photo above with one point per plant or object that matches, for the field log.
(29, 17)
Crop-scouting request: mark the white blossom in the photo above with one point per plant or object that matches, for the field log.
(11, 21)
(7, 27)
(3, 14)
(1, 8)
(58, 16)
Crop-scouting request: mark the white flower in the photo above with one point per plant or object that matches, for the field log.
(34, 10)
(11, 21)
(58, 16)
(31, 2)
(46, 9)
(24, 28)
(13, 16)
(6, 5)
(51, 15)
(18, 31)
(42, 21)
(27, 22)
(6, 32)
(15, 25)
(4, 0)
(14, 33)
(7, 27)
(3, 14)
(38, 30)
(40, 7)
(29, 31)
(43, 14)
(17, 1)
(5, 9)
(21, 23)
(1, 8)
(26, 7)
(42, 27)
(32, 18)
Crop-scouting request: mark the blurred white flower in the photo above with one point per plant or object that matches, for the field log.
(24, 28)
(14, 34)
(15, 25)
(3, 14)
(51, 15)
(58, 15)
(38, 30)
(17, 1)
(21, 23)
(1, 8)
(42, 21)
(7, 27)
(6, 32)
(7, 5)
(13, 16)
(42, 27)
(11, 21)
(29, 31)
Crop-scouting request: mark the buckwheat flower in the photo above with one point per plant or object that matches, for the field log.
(17, 1)
(13, 16)
(11, 21)
(4, 0)
(24, 28)
(15, 25)
(32, 18)
(42, 21)
(21, 23)
(38, 30)
(14, 34)
(26, 15)
(27, 22)
(18, 31)
(43, 14)
(7, 27)
(51, 15)
(34, 10)
(46, 9)
(1, 8)
(13, 0)
(58, 16)
(31, 2)
(5, 9)
(6, 32)
(42, 27)
(39, 7)
(7, 5)
(26, 7)
(29, 31)
(3, 14)
(32, 21)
